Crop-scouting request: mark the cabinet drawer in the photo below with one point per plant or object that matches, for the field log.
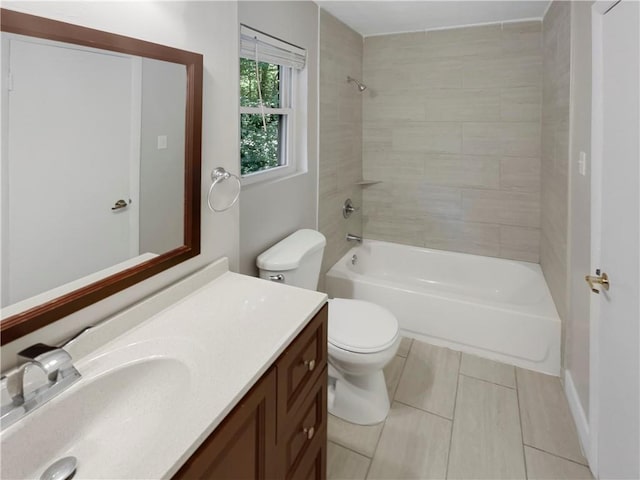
(305, 426)
(314, 464)
(301, 365)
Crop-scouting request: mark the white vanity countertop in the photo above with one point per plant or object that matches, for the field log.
(243, 324)
(209, 349)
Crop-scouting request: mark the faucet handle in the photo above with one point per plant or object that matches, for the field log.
(73, 339)
(348, 208)
(51, 359)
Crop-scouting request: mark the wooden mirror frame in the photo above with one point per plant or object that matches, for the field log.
(39, 316)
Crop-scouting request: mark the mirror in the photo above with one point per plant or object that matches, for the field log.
(100, 166)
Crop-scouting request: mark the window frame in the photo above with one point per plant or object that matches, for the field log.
(288, 79)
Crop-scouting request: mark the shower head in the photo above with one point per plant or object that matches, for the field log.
(361, 86)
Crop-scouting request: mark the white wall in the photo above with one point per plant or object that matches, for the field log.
(209, 28)
(164, 90)
(270, 211)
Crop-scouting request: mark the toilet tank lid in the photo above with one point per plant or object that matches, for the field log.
(287, 253)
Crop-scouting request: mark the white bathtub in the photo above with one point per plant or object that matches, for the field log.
(494, 308)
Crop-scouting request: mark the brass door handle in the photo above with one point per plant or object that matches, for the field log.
(120, 204)
(598, 279)
(310, 364)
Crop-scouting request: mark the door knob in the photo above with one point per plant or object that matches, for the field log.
(120, 204)
(598, 279)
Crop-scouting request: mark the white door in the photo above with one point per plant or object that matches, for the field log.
(71, 135)
(616, 133)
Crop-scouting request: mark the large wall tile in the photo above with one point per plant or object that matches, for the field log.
(505, 208)
(395, 107)
(390, 166)
(390, 228)
(520, 243)
(463, 42)
(451, 126)
(555, 151)
(456, 105)
(435, 137)
(502, 71)
(522, 38)
(462, 170)
(505, 138)
(385, 76)
(449, 234)
(341, 132)
(520, 104)
(520, 174)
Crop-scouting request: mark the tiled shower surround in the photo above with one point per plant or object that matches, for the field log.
(452, 128)
(340, 136)
(555, 151)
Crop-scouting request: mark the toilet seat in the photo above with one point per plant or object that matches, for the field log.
(361, 327)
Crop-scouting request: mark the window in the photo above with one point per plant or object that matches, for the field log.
(265, 108)
(269, 74)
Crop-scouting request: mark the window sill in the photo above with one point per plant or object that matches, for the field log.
(268, 177)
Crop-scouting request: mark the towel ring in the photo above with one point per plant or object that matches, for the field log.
(218, 175)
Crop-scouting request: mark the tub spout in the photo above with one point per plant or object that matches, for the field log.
(353, 238)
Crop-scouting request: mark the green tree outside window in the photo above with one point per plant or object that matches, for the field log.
(259, 147)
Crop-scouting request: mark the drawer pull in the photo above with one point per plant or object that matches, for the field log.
(309, 432)
(310, 364)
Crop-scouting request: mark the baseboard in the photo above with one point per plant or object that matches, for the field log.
(579, 417)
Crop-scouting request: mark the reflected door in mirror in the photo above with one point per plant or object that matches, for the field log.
(93, 174)
(102, 121)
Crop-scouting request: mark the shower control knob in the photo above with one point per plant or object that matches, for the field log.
(348, 208)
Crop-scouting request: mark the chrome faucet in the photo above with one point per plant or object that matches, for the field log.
(56, 365)
(53, 361)
(353, 238)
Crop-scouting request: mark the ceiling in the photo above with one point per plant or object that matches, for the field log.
(393, 16)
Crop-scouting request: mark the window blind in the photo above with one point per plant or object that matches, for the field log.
(270, 49)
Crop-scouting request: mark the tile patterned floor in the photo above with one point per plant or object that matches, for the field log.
(457, 416)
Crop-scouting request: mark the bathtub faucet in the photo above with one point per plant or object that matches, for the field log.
(353, 238)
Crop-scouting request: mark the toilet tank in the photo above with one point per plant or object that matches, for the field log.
(297, 258)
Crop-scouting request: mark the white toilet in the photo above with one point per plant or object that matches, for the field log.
(363, 337)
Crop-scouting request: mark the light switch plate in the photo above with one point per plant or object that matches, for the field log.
(582, 164)
(162, 142)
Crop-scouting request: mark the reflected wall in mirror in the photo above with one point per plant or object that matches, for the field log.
(100, 166)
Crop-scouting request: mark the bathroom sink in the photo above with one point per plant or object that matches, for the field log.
(120, 415)
(159, 378)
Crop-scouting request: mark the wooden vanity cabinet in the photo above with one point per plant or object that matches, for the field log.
(243, 446)
(279, 429)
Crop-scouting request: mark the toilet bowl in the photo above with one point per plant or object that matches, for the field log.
(362, 337)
